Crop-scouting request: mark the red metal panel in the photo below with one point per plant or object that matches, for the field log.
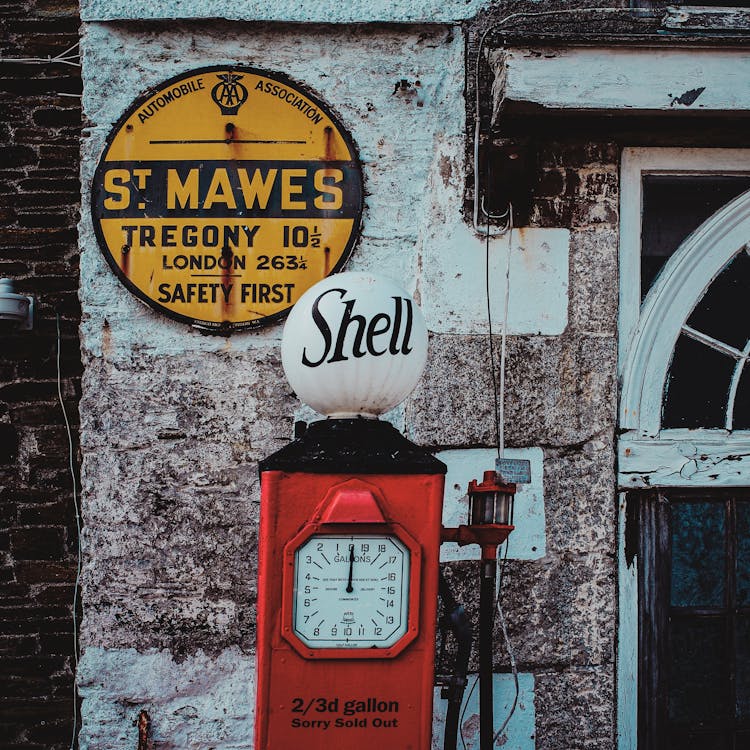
(361, 701)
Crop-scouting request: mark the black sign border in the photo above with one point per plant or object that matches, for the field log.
(206, 326)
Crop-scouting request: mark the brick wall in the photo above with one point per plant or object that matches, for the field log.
(39, 204)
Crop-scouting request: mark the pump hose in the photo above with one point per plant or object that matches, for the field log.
(458, 622)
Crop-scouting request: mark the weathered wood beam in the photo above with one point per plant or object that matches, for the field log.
(684, 459)
(637, 80)
(701, 18)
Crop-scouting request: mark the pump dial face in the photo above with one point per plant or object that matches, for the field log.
(351, 591)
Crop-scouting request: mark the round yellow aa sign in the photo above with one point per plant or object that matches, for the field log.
(225, 194)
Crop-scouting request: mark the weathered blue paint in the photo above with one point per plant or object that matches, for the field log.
(287, 11)
(627, 645)
(520, 733)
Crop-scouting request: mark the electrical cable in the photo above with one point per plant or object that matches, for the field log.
(508, 645)
(463, 712)
(489, 337)
(514, 669)
(501, 417)
(68, 57)
(71, 466)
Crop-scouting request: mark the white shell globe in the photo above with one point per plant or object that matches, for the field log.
(355, 344)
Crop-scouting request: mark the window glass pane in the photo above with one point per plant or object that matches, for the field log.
(743, 553)
(673, 207)
(742, 667)
(722, 311)
(698, 554)
(698, 684)
(697, 386)
(741, 412)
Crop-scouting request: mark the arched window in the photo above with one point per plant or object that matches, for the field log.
(684, 450)
(684, 298)
(707, 384)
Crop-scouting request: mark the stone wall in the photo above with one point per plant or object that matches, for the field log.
(561, 608)
(174, 422)
(39, 200)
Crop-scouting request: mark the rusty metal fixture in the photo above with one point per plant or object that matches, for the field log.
(491, 501)
(144, 731)
(487, 536)
(490, 516)
(484, 535)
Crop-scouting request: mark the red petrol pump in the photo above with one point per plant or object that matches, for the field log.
(347, 592)
(350, 534)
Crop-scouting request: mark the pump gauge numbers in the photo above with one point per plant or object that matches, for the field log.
(351, 591)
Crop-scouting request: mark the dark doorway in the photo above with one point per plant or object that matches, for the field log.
(693, 551)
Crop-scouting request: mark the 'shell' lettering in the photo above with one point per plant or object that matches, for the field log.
(356, 336)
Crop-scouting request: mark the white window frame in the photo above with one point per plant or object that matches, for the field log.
(647, 455)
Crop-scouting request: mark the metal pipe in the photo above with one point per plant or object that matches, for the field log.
(144, 731)
(486, 621)
(459, 623)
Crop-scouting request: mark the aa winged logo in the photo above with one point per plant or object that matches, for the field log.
(229, 93)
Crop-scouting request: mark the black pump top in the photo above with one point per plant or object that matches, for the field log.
(361, 446)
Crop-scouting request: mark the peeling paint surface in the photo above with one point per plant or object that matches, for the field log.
(684, 458)
(311, 11)
(538, 301)
(520, 732)
(195, 703)
(598, 78)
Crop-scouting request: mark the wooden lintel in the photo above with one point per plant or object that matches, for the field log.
(702, 18)
(624, 80)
